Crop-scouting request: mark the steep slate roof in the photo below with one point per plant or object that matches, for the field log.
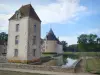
(51, 36)
(27, 10)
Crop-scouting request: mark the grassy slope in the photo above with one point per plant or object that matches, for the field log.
(75, 53)
(93, 65)
(86, 53)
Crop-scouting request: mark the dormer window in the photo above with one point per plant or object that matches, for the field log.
(18, 15)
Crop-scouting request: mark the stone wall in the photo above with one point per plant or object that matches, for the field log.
(36, 67)
(3, 59)
(76, 65)
(4, 64)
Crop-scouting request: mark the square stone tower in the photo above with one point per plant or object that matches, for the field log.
(24, 35)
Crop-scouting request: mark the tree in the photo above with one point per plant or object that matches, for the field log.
(88, 42)
(73, 48)
(98, 44)
(64, 43)
(82, 42)
(3, 36)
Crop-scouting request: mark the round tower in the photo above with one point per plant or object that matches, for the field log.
(51, 43)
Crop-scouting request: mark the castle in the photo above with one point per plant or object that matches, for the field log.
(51, 44)
(24, 37)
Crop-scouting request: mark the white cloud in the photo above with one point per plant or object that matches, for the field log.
(4, 22)
(5, 13)
(59, 12)
(91, 31)
(69, 39)
(73, 39)
(5, 8)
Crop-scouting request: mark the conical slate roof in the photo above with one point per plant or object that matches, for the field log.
(27, 10)
(51, 35)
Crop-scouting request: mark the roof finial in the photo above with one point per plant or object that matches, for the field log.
(30, 2)
(50, 26)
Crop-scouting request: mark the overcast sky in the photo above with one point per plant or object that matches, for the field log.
(67, 18)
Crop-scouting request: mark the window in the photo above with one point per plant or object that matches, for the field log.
(18, 15)
(17, 27)
(46, 47)
(34, 40)
(16, 52)
(34, 51)
(35, 28)
(16, 39)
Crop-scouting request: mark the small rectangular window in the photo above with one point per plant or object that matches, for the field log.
(34, 51)
(17, 39)
(16, 52)
(34, 40)
(17, 27)
(35, 28)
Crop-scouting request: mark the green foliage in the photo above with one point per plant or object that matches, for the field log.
(90, 65)
(89, 42)
(3, 36)
(80, 53)
(64, 43)
(73, 48)
(49, 53)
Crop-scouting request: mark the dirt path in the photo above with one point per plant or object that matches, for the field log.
(44, 72)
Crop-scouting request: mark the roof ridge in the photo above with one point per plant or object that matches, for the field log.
(27, 10)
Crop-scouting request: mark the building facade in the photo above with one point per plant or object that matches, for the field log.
(51, 44)
(3, 48)
(24, 35)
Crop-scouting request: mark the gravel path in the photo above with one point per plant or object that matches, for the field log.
(44, 72)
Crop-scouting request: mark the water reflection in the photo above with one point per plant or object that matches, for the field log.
(69, 62)
(62, 60)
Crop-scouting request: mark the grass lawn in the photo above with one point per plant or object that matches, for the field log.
(75, 53)
(93, 65)
(2, 72)
(82, 53)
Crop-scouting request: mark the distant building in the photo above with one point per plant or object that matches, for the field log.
(24, 35)
(51, 43)
(3, 48)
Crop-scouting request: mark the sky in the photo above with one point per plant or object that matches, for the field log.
(67, 18)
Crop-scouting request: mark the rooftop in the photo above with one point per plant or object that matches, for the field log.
(26, 10)
(51, 36)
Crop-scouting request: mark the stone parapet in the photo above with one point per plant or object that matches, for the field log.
(36, 67)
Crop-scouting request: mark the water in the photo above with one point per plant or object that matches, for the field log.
(69, 62)
(61, 61)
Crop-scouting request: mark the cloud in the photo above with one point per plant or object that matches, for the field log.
(91, 31)
(73, 39)
(5, 8)
(4, 22)
(69, 39)
(59, 12)
(5, 14)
